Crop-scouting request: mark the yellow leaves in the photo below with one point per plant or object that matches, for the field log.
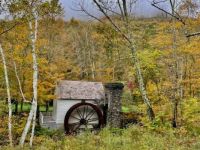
(97, 37)
(108, 74)
(151, 87)
(43, 61)
(42, 42)
(161, 41)
(191, 81)
(191, 109)
(18, 47)
(192, 47)
(178, 25)
(18, 60)
(164, 25)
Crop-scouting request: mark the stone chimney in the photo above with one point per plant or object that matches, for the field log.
(113, 97)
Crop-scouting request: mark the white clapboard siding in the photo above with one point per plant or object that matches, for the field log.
(62, 106)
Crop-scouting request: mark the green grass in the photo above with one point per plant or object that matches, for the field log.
(27, 107)
(129, 109)
(134, 137)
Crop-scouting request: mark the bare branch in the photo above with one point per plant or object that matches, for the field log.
(120, 8)
(163, 1)
(15, 25)
(193, 34)
(110, 10)
(8, 29)
(125, 8)
(82, 8)
(111, 21)
(154, 4)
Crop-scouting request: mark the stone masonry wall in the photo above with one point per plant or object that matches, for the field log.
(113, 95)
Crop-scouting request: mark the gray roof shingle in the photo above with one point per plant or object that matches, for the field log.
(80, 90)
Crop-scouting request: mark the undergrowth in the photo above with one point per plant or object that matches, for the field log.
(133, 137)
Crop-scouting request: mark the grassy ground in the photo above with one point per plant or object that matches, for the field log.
(27, 107)
(132, 138)
(154, 136)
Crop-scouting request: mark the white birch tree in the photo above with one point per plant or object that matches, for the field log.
(28, 10)
(33, 27)
(3, 9)
(32, 114)
(8, 96)
(35, 70)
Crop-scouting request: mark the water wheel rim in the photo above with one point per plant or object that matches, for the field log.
(74, 107)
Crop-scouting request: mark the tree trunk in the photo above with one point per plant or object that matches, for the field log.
(19, 82)
(181, 89)
(35, 72)
(32, 114)
(9, 97)
(33, 125)
(143, 92)
(175, 110)
(27, 126)
(175, 79)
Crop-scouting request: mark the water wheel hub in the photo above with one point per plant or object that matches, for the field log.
(83, 122)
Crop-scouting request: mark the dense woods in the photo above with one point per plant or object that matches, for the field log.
(157, 59)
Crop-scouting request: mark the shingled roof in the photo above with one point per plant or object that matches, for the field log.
(80, 90)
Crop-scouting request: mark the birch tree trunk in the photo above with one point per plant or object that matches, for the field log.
(136, 62)
(143, 91)
(19, 82)
(35, 72)
(9, 97)
(32, 114)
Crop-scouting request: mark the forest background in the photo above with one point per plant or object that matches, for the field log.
(167, 51)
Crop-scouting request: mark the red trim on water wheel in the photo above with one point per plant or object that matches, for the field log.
(68, 114)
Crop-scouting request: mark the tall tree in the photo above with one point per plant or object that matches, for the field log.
(3, 9)
(122, 26)
(32, 114)
(8, 96)
(29, 12)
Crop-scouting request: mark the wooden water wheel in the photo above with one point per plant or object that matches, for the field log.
(83, 116)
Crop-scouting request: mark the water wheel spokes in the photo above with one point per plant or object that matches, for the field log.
(83, 116)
